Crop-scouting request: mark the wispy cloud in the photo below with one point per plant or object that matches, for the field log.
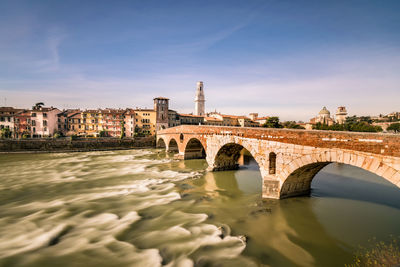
(130, 58)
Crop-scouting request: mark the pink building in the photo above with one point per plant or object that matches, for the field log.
(44, 121)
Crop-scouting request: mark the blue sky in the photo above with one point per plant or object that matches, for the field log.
(284, 58)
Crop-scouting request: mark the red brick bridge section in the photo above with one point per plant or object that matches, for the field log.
(288, 159)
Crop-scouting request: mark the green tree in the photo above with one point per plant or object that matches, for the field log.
(351, 120)
(394, 127)
(272, 122)
(320, 126)
(38, 105)
(122, 129)
(366, 119)
(103, 133)
(292, 125)
(5, 133)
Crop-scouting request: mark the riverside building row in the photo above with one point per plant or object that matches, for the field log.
(48, 121)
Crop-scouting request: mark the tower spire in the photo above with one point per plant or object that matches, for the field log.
(199, 100)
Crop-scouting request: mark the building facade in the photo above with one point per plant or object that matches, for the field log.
(44, 121)
(341, 114)
(7, 119)
(323, 117)
(129, 122)
(161, 106)
(145, 121)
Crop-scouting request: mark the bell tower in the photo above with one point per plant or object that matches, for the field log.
(199, 100)
(161, 109)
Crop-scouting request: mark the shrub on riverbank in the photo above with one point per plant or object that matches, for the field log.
(379, 254)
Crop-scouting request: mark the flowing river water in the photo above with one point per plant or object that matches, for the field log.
(143, 208)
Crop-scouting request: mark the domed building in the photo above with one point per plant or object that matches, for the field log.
(324, 117)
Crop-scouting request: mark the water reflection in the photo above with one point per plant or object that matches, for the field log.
(344, 181)
(321, 230)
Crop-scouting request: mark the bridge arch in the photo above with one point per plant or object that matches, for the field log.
(173, 146)
(229, 154)
(161, 143)
(194, 149)
(296, 177)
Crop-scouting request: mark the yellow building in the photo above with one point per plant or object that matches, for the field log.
(145, 121)
(92, 122)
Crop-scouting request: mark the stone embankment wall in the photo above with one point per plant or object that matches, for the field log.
(80, 144)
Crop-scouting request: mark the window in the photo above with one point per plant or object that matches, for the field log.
(45, 129)
(33, 123)
(44, 115)
(33, 115)
(45, 123)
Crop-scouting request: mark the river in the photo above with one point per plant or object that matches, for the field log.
(143, 208)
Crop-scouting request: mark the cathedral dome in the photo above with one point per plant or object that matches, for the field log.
(324, 111)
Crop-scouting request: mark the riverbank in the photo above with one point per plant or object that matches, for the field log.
(45, 145)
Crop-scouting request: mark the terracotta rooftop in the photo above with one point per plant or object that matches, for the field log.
(43, 109)
(144, 109)
(261, 118)
(190, 115)
(234, 117)
(72, 115)
(9, 109)
(211, 119)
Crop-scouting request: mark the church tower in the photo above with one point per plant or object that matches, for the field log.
(199, 100)
(161, 108)
(341, 115)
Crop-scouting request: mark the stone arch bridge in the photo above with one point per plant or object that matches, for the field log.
(288, 159)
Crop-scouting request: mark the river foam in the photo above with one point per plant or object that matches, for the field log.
(69, 211)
